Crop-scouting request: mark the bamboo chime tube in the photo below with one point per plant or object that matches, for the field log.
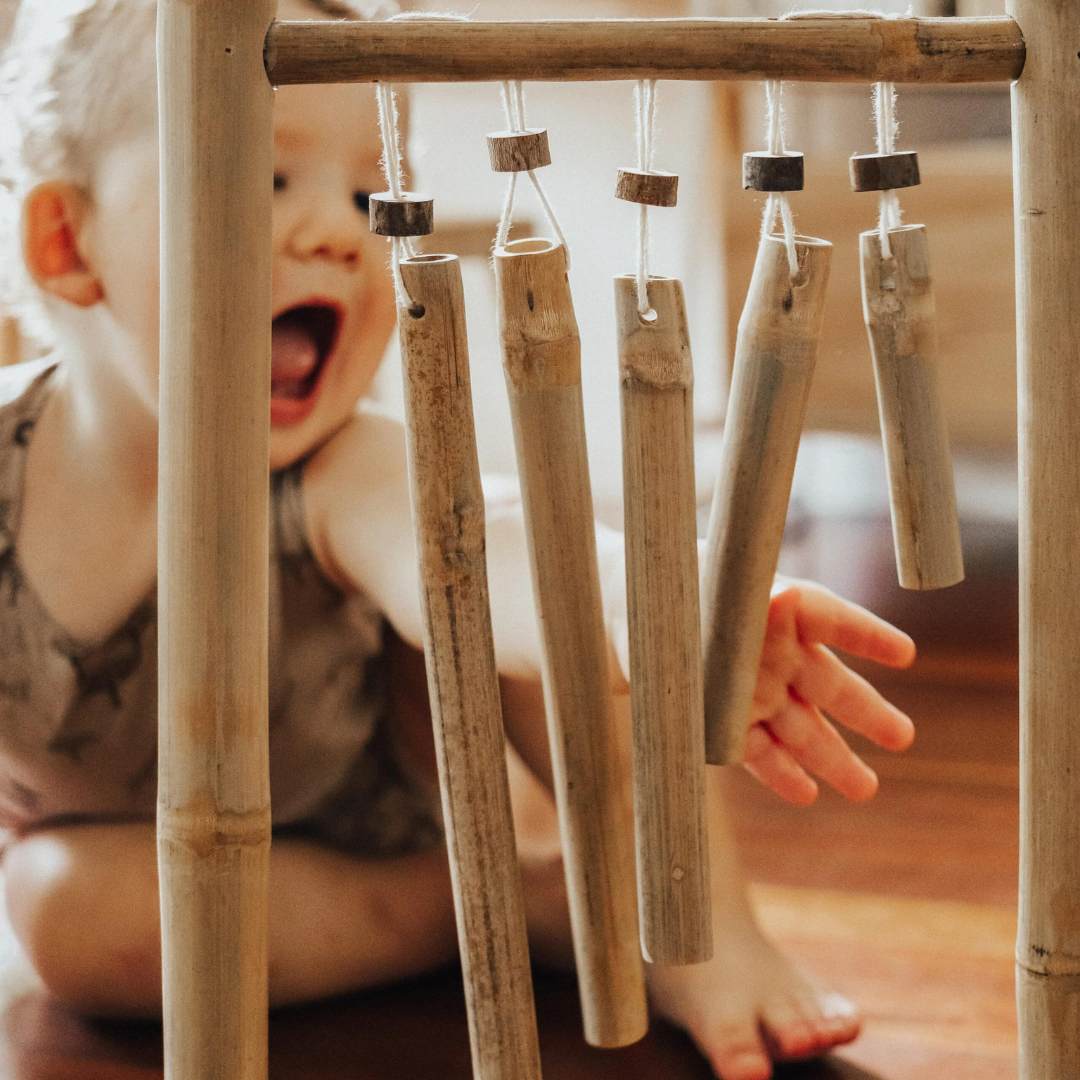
(1046, 135)
(664, 619)
(943, 50)
(213, 788)
(898, 304)
(448, 516)
(775, 351)
(542, 363)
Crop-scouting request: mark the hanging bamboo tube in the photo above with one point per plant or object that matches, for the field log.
(898, 305)
(542, 362)
(664, 616)
(775, 351)
(1046, 134)
(448, 516)
(213, 788)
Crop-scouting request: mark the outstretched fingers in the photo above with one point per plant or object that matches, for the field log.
(774, 766)
(817, 746)
(824, 617)
(825, 682)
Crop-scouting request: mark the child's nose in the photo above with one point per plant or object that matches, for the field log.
(333, 237)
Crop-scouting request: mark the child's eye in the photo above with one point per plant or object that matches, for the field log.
(279, 181)
(360, 199)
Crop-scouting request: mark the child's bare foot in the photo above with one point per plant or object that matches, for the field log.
(749, 1007)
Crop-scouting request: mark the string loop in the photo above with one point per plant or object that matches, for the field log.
(886, 128)
(400, 246)
(645, 101)
(777, 201)
(513, 99)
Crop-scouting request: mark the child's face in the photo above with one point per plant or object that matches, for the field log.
(333, 296)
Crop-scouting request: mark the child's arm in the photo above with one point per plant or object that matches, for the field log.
(356, 491)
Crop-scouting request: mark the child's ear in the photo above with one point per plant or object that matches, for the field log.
(53, 218)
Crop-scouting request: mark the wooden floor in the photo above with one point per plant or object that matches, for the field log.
(906, 904)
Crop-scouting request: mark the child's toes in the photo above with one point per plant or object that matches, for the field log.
(736, 1051)
(796, 1029)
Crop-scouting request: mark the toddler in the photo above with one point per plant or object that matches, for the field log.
(360, 889)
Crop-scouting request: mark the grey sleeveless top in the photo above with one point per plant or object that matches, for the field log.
(78, 720)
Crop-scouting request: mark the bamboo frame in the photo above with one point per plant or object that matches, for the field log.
(217, 157)
(815, 49)
(216, 128)
(1046, 173)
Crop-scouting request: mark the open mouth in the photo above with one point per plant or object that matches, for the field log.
(303, 340)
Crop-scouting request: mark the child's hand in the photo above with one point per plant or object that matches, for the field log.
(789, 737)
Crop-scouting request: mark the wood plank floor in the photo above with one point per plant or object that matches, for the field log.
(906, 903)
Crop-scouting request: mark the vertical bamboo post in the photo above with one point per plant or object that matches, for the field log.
(213, 790)
(664, 615)
(1046, 169)
(775, 352)
(898, 306)
(542, 362)
(448, 516)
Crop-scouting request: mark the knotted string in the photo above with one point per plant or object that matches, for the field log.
(513, 98)
(400, 246)
(645, 101)
(886, 127)
(777, 201)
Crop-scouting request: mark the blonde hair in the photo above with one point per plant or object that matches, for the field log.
(77, 77)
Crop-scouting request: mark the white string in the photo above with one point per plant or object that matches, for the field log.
(513, 99)
(886, 128)
(645, 98)
(502, 234)
(400, 247)
(777, 201)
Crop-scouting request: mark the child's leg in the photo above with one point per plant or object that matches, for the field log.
(84, 903)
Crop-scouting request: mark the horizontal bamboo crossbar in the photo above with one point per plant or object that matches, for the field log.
(947, 50)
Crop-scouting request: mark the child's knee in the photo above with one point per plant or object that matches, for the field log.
(78, 916)
(39, 892)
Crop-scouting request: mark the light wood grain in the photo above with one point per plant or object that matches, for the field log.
(777, 345)
(213, 558)
(448, 517)
(898, 305)
(542, 361)
(1046, 164)
(835, 50)
(664, 618)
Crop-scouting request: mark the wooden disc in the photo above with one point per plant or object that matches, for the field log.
(884, 172)
(409, 215)
(651, 188)
(518, 151)
(762, 171)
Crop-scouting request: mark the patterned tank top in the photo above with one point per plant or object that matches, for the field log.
(78, 720)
